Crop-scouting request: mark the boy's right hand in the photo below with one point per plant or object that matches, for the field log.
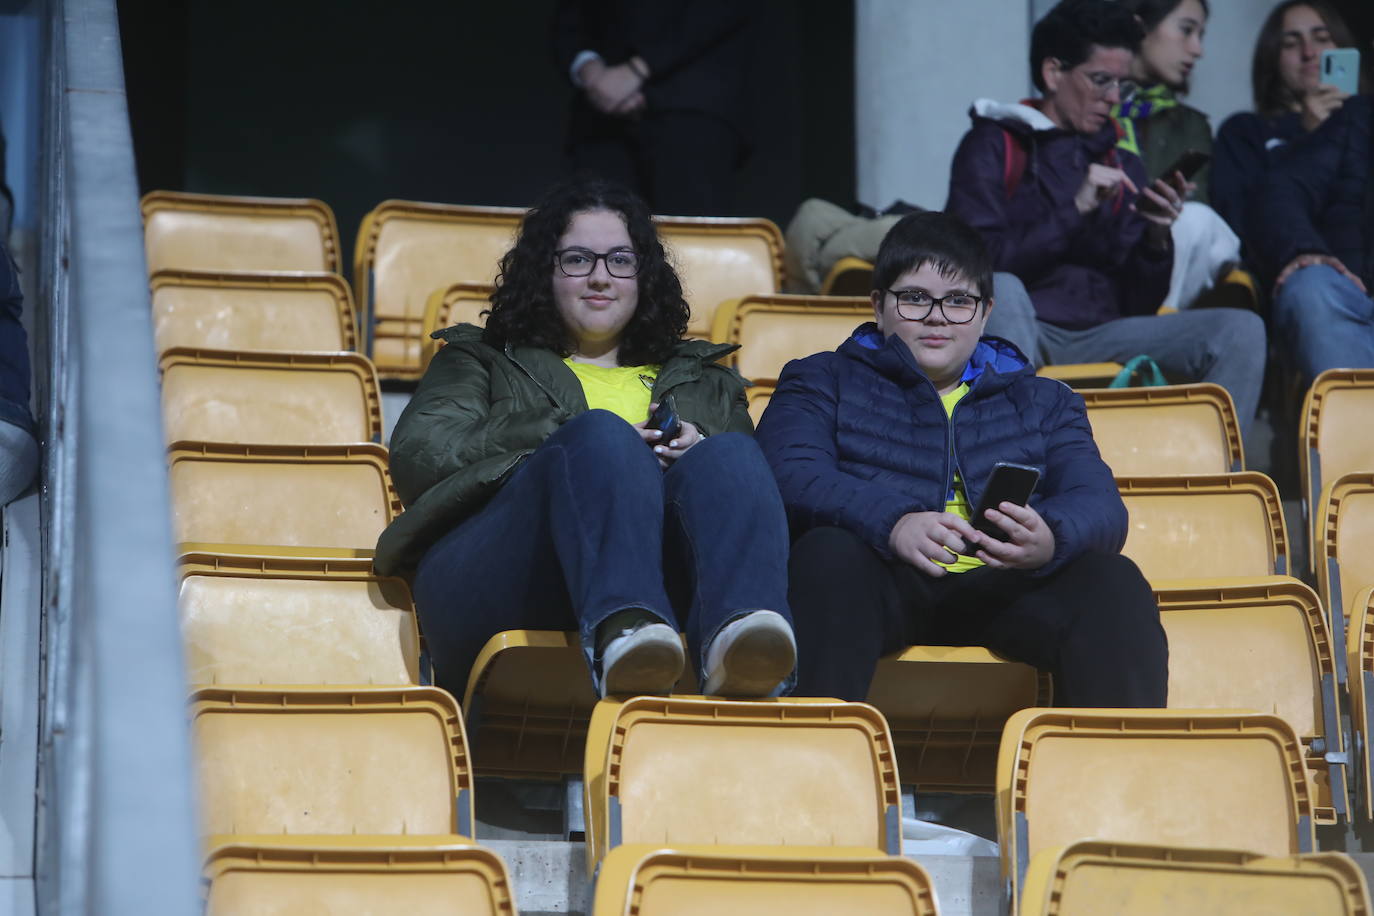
(921, 537)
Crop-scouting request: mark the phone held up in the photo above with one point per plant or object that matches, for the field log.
(1340, 67)
(665, 419)
(1011, 483)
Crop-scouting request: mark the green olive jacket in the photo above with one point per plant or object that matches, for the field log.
(479, 411)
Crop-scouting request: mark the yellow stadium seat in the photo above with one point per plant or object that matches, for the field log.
(252, 311)
(318, 501)
(849, 276)
(270, 398)
(280, 620)
(1345, 561)
(1171, 777)
(771, 330)
(758, 395)
(213, 232)
(1205, 526)
(1134, 880)
(529, 699)
(405, 251)
(1082, 375)
(1337, 439)
(946, 706)
(320, 760)
(645, 879)
(1174, 429)
(528, 702)
(701, 771)
(721, 258)
(461, 303)
(1361, 686)
(252, 875)
(1261, 644)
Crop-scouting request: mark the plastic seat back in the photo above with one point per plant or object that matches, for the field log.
(252, 311)
(248, 875)
(215, 233)
(739, 881)
(720, 258)
(946, 707)
(315, 760)
(1361, 687)
(759, 396)
(849, 276)
(326, 500)
(270, 398)
(275, 620)
(1168, 777)
(529, 701)
(1205, 526)
(1133, 880)
(405, 251)
(461, 303)
(1171, 430)
(1082, 375)
(772, 330)
(1346, 522)
(1261, 645)
(1337, 437)
(705, 771)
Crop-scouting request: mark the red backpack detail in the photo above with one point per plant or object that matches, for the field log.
(1014, 164)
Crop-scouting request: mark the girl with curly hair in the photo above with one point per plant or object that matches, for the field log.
(539, 495)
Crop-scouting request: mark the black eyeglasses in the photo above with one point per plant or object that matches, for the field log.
(917, 305)
(580, 262)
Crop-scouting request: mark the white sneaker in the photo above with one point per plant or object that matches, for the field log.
(643, 659)
(750, 656)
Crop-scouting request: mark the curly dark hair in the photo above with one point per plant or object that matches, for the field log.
(1070, 30)
(523, 312)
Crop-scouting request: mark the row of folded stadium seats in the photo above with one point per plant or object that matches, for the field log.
(249, 479)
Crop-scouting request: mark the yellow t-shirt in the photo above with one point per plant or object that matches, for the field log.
(959, 504)
(623, 390)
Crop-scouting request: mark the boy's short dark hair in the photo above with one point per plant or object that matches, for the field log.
(947, 243)
(1069, 31)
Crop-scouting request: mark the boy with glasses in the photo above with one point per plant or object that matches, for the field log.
(881, 447)
(1074, 217)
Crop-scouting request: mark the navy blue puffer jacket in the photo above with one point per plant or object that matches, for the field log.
(857, 438)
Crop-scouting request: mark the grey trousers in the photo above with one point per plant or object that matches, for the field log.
(1224, 346)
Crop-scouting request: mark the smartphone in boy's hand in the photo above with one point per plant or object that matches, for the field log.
(1011, 483)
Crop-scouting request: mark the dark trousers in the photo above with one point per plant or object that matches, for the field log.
(1093, 624)
(590, 525)
(682, 162)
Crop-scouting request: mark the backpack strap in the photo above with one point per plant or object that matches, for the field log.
(1013, 162)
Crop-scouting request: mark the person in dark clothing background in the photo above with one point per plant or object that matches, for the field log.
(1073, 217)
(18, 448)
(1314, 224)
(1290, 103)
(664, 99)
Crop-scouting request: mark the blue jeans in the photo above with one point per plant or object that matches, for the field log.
(589, 525)
(1324, 321)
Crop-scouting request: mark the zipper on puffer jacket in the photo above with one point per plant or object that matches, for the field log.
(534, 378)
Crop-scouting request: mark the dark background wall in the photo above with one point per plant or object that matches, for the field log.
(458, 102)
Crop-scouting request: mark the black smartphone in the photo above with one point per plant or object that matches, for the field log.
(665, 419)
(1008, 483)
(1190, 163)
